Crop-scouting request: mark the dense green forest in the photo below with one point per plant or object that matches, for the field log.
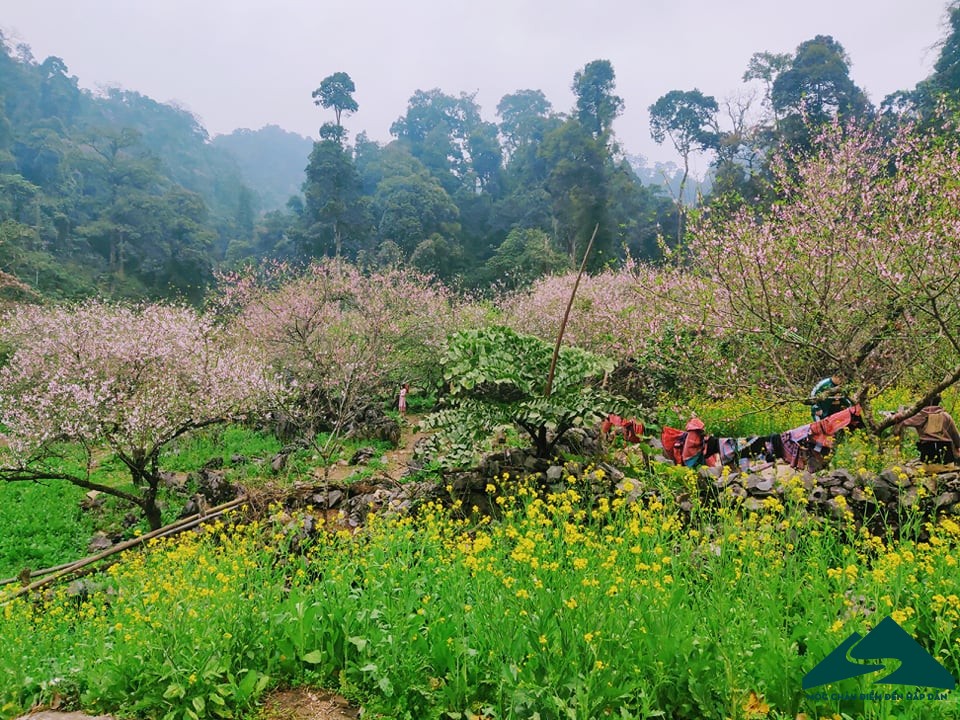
(112, 193)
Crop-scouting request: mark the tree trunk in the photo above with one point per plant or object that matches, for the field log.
(150, 508)
(150, 482)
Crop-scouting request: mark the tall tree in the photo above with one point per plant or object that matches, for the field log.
(815, 89)
(410, 204)
(335, 210)
(437, 128)
(688, 118)
(767, 67)
(577, 185)
(597, 106)
(521, 117)
(336, 91)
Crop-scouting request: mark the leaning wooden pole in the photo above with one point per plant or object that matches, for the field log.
(566, 314)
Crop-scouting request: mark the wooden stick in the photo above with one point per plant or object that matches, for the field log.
(37, 573)
(566, 314)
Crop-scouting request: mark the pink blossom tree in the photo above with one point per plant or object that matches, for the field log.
(856, 269)
(133, 379)
(642, 316)
(336, 334)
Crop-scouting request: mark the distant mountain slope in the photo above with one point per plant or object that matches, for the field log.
(108, 193)
(271, 159)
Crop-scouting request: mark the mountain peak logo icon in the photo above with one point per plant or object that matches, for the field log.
(887, 640)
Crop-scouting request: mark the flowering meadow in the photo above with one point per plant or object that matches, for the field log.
(561, 608)
(564, 602)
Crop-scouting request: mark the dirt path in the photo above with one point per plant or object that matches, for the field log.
(307, 704)
(315, 704)
(397, 459)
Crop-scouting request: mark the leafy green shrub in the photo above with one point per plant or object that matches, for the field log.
(498, 377)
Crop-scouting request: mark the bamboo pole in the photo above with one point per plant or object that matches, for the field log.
(566, 314)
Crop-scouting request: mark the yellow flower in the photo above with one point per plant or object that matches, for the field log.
(755, 707)
(901, 616)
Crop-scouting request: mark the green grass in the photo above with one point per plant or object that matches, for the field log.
(244, 452)
(564, 609)
(41, 525)
(567, 607)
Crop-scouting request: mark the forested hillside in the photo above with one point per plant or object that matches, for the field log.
(272, 161)
(115, 194)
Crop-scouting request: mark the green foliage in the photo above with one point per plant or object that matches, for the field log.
(41, 525)
(243, 451)
(418, 403)
(740, 416)
(114, 194)
(524, 256)
(608, 609)
(496, 376)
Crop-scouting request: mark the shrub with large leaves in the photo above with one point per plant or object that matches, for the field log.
(496, 376)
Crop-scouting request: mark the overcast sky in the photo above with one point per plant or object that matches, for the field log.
(249, 63)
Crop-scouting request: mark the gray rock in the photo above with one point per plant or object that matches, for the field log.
(759, 484)
(844, 476)
(909, 497)
(555, 473)
(328, 499)
(736, 490)
(858, 495)
(892, 478)
(613, 473)
(93, 500)
(818, 495)
(946, 499)
(100, 542)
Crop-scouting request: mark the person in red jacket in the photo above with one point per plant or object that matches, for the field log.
(939, 440)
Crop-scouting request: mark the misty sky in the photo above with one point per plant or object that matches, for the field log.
(249, 63)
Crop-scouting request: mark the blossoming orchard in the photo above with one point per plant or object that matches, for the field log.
(504, 558)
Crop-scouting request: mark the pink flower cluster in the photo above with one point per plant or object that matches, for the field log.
(342, 332)
(133, 377)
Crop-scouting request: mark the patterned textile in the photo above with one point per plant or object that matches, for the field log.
(693, 447)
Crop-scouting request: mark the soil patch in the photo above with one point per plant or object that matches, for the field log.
(307, 704)
(397, 460)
